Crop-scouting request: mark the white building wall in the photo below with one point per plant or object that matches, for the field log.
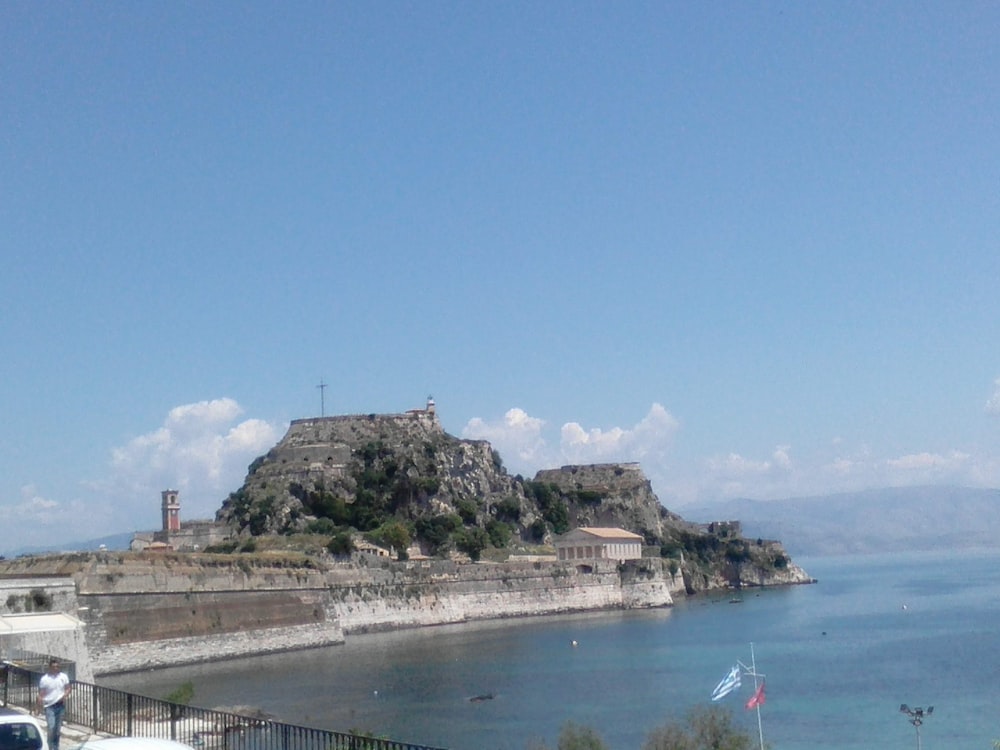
(601, 551)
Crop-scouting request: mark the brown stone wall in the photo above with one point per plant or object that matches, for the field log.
(153, 617)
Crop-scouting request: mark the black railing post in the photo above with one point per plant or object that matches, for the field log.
(129, 708)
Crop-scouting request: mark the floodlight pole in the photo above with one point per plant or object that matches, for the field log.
(917, 716)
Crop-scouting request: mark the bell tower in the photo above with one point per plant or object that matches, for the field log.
(171, 508)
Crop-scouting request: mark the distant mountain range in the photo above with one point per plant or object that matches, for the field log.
(885, 520)
(112, 542)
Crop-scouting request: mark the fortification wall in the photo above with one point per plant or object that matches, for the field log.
(352, 429)
(24, 594)
(604, 477)
(142, 611)
(27, 595)
(150, 611)
(439, 593)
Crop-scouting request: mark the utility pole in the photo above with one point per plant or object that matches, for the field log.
(322, 397)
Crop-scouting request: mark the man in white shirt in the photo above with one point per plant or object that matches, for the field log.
(53, 689)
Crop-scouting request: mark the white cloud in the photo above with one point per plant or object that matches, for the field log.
(199, 415)
(735, 466)
(33, 507)
(34, 519)
(929, 462)
(993, 403)
(735, 475)
(517, 437)
(521, 441)
(196, 451)
(650, 437)
(590, 446)
(841, 466)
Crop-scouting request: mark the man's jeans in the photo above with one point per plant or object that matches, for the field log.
(53, 719)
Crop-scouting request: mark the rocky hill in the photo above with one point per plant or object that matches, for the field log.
(401, 480)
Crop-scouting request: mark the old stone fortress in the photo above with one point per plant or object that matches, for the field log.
(169, 602)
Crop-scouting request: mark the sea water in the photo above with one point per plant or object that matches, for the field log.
(839, 658)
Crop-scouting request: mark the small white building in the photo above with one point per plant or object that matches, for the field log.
(368, 548)
(592, 543)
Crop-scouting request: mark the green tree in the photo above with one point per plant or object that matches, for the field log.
(577, 737)
(538, 529)
(261, 514)
(704, 728)
(466, 509)
(499, 533)
(323, 526)
(341, 544)
(472, 542)
(436, 530)
(182, 694)
(737, 553)
(508, 509)
(396, 535)
(574, 737)
(557, 514)
(674, 568)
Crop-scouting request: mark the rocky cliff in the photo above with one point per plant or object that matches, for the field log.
(362, 471)
(401, 479)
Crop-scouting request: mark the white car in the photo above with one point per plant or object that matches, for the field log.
(21, 732)
(132, 743)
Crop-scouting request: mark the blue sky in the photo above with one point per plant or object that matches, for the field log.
(753, 246)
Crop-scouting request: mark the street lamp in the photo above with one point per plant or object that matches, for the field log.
(916, 717)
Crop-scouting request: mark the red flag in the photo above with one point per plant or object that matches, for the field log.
(758, 698)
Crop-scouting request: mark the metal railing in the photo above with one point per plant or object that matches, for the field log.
(116, 712)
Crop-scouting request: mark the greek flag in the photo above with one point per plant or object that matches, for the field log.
(729, 683)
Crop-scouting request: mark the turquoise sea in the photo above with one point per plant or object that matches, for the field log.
(839, 656)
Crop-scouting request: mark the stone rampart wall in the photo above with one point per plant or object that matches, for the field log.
(436, 595)
(27, 595)
(606, 477)
(352, 429)
(132, 657)
(150, 611)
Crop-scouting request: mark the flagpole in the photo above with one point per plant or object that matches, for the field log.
(753, 664)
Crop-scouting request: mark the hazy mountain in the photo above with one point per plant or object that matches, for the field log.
(112, 542)
(885, 520)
